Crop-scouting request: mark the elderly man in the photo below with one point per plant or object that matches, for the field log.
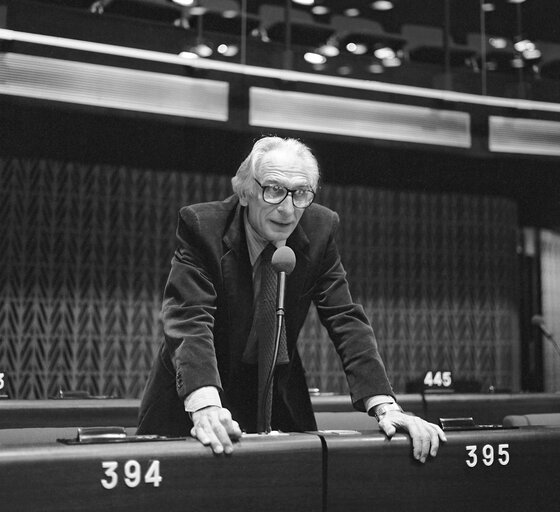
(206, 378)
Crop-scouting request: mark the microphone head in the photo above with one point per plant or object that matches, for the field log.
(283, 260)
(537, 320)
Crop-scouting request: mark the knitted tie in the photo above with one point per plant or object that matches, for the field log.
(265, 326)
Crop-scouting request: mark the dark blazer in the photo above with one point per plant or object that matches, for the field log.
(207, 315)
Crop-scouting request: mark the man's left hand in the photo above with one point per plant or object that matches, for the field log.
(425, 436)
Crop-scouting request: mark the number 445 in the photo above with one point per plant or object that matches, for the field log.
(438, 379)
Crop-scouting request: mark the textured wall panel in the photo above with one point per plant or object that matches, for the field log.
(550, 279)
(437, 276)
(85, 251)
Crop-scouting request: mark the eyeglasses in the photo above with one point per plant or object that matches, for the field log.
(275, 194)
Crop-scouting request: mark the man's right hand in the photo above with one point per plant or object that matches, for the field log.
(214, 426)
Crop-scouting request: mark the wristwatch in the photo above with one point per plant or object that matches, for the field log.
(380, 410)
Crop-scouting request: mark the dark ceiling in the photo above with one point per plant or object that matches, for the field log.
(535, 19)
(532, 182)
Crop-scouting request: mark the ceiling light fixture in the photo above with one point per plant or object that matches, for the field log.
(230, 14)
(328, 50)
(227, 50)
(393, 62)
(188, 54)
(356, 48)
(497, 42)
(198, 10)
(384, 53)
(528, 49)
(320, 10)
(314, 58)
(382, 5)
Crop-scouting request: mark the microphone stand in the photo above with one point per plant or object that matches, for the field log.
(550, 337)
(277, 336)
(539, 322)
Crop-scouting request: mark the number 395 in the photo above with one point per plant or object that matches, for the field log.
(488, 455)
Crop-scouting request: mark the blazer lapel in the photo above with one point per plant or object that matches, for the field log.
(238, 284)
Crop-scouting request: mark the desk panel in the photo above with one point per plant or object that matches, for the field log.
(485, 470)
(489, 408)
(68, 413)
(485, 408)
(268, 473)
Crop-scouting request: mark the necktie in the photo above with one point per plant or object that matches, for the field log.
(265, 327)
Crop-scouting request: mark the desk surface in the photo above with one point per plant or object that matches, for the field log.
(484, 408)
(485, 470)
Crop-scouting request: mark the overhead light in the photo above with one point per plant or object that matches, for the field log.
(203, 50)
(314, 58)
(392, 62)
(356, 48)
(199, 50)
(516, 1)
(384, 53)
(352, 12)
(188, 54)
(304, 2)
(528, 49)
(320, 10)
(382, 5)
(227, 50)
(198, 10)
(230, 14)
(534, 54)
(524, 45)
(184, 3)
(497, 42)
(329, 49)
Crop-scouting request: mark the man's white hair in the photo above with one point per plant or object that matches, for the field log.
(243, 184)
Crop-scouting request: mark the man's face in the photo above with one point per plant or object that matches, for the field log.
(276, 222)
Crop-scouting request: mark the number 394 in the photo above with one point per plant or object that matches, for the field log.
(487, 455)
(132, 474)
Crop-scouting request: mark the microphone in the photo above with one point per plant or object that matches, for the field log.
(538, 321)
(283, 261)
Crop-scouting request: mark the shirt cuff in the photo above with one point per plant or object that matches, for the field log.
(374, 401)
(202, 397)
